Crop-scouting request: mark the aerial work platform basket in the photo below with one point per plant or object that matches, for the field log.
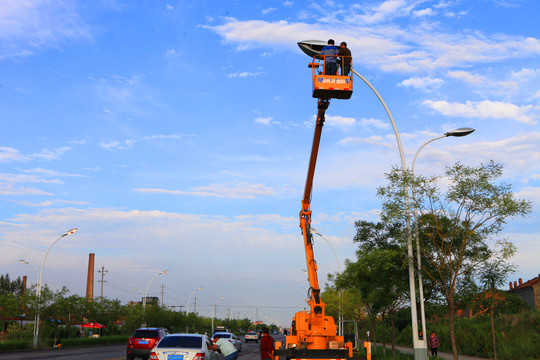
(339, 86)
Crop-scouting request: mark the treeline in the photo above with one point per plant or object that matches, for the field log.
(60, 313)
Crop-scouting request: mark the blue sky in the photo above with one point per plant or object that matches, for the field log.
(176, 135)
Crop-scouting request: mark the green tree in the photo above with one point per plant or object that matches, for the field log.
(379, 273)
(457, 216)
(8, 286)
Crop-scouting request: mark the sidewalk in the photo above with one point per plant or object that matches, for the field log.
(442, 355)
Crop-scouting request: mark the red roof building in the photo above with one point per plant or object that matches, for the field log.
(528, 291)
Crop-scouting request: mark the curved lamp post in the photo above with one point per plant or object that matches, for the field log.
(36, 324)
(189, 299)
(340, 316)
(455, 133)
(214, 312)
(420, 345)
(146, 292)
(34, 266)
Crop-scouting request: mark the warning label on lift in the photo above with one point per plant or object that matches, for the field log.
(333, 80)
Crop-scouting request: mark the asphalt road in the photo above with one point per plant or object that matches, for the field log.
(250, 351)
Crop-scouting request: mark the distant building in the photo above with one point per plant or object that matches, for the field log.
(528, 291)
(151, 301)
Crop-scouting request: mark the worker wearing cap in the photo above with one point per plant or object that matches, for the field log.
(226, 347)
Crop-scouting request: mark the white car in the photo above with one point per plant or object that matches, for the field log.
(252, 336)
(184, 347)
(231, 337)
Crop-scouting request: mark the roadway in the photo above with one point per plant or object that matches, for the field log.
(250, 351)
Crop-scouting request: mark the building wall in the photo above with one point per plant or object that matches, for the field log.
(527, 294)
(536, 288)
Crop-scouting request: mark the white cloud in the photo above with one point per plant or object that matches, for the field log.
(29, 25)
(372, 140)
(424, 12)
(485, 110)
(339, 121)
(232, 190)
(11, 154)
(424, 83)
(116, 145)
(244, 74)
(415, 49)
(263, 120)
(268, 10)
(375, 123)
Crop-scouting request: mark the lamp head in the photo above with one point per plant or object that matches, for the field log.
(460, 132)
(69, 232)
(311, 47)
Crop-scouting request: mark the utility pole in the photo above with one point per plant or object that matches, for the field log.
(102, 272)
(195, 305)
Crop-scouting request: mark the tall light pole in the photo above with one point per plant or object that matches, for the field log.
(146, 292)
(189, 299)
(420, 345)
(455, 133)
(36, 324)
(340, 316)
(214, 312)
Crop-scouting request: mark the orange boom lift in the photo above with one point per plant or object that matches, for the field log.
(313, 334)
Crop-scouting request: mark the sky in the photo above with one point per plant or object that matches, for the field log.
(175, 135)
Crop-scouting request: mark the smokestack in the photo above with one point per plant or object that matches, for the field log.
(90, 281)
(23, 289)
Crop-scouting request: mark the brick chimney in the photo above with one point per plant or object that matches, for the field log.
(515, 284)
(520, 282)
(90, 279)
(511, 287)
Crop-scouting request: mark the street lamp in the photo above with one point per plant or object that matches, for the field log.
(455, 133)
(420, 346)
(340, 316)
(36, 324)
(189, 299)
(146, 292)
(214, 312)
(34, 266)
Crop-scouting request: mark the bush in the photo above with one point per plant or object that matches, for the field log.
(116, 339)
(14, 345)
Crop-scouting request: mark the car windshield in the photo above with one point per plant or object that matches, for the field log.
(192, 342)
(251, 333)
(225, 336)
(146, 334)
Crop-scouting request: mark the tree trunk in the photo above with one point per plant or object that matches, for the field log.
(452, 330)
(384, 335)
(393, 335)
(493, 332)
